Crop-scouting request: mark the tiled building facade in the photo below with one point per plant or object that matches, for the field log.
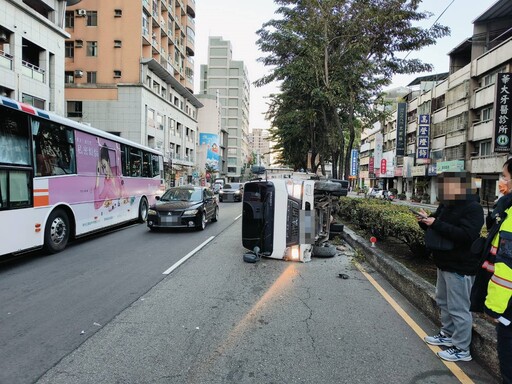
(129, 71)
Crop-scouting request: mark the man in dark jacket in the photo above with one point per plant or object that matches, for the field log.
(451, 230)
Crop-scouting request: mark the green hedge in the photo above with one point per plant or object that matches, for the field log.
(384, 219)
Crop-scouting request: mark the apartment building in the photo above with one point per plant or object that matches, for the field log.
(129, 71)
(31, 52)
(260, 144)
(229, 79)
(452, 122)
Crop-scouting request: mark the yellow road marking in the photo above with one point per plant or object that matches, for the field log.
(454, 368)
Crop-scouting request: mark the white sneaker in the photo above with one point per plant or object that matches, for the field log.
(455, 354)
(439, 339)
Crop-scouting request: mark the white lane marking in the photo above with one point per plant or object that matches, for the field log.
(236, 218)
(188, 256)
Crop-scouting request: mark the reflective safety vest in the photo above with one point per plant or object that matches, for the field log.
(499, 290)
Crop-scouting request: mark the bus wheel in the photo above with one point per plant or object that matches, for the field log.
(143, 210)
(56, 232)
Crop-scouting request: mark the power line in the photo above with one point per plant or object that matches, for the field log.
(442, 13)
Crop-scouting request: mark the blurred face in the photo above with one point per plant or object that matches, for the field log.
(454, 188)
(505, 183)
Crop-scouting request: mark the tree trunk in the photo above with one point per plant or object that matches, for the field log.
(352, 135)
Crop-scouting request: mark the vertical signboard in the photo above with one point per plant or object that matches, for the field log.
(502, 125)
(383, 167)
(423, 137)
(371, 168)
(354, 154)
(377, 153)
(401, 121)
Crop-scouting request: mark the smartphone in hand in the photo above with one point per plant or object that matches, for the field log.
(417, 213)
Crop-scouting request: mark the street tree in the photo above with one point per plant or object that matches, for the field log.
(336, 57)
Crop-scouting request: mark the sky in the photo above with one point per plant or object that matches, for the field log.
(238, 21)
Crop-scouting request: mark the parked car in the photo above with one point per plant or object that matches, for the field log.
(231, 192)
(185, 206)
(372, 192)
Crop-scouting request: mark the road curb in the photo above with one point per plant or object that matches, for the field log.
(422, 294)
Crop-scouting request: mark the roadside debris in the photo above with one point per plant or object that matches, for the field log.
(343, 276)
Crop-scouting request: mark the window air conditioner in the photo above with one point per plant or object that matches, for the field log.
(81, 12)
(79, 73)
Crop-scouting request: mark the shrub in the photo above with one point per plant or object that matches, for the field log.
(384, 219)
(401, 196)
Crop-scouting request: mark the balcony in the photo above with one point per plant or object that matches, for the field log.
(191, 8)
(32, 71)
(481, 131)
(5, 60)
(190, 47)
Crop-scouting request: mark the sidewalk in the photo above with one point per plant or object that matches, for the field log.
(422, 294)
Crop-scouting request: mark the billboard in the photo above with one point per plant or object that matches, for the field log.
(211, 142)
(354, 155)
(401, 126)
(502, 124)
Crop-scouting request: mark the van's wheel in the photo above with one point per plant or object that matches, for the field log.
(326, 250)
(56, 231)
(143, 210)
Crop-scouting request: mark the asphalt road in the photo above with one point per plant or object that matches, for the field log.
(213, 319)
(49, 305)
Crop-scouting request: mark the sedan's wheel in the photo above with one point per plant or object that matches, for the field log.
(202, 222)
(56, 233)
(215, 217)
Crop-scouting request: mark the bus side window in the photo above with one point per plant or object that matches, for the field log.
(135, 162)
(146, 163)
(155, 165)
(14, 138)
(54, 149)
(15, 189)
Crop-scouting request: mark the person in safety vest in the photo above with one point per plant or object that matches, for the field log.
(492, 291)
(450, 231)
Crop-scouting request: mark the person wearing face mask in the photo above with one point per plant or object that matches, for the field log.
(492, 291)
(456, 223)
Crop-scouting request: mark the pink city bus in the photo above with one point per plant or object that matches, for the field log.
(60, 179)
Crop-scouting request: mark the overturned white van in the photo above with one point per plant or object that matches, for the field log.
(286, 218)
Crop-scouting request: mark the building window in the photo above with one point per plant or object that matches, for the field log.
(69, 49)
(145, 24)
(68, 77)
(486, 148)
(118, 43)
(231, 169)
(31, 100)
(69, 21)
(118, 12)
(487, 113)
(117, 73)
(74, 109)
(79, 43)
(92, 48)
(92, 18)
(91, 77)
